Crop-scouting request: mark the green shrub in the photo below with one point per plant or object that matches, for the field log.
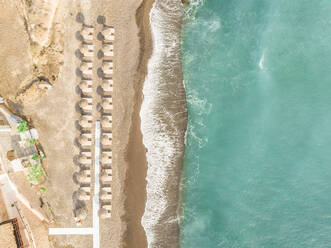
(35, 156)
(22, 127)
(35, 173)
(43, 189)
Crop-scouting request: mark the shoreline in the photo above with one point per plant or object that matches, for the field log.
(164, 119)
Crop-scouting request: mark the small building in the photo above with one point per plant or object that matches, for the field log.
(18, 148)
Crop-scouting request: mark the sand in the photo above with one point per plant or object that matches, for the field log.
(54, 114)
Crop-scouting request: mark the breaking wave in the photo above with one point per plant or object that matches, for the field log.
(163, 123)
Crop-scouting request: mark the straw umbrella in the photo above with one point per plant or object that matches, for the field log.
(107, 104)
(82, 195)
(105, 159)
(104, 195)
(84, 85)
(85, 66)
(84, 140)
(84, 122)
(107, 85)
(85, 105)
(106, 140)
(106, 121)
(108, 49)
(83, 177)
(84, 160)
(86, 50)
(87, 33)
(105, 177)
(104, 213)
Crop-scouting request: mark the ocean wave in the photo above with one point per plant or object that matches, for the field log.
(192, 8)
(163, 124)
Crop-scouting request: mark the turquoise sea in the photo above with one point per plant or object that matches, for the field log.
(257, 167)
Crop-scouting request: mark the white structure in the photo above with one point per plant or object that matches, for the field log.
(107, 67)
(105, 213)
(107, 85)
(105, 196)
(86, 86)
(82, 159)
(84, 176)
(85, 121)
(86, 68)
(108, 34)
(106, 158)
(108, 50)
(106, 175)
(83, 195)
(86, 104)
(87, 50)
(87, 34)
(106, 139)
(106, 121)
(107, 104)
(85, 139)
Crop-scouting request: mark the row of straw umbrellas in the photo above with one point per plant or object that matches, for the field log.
(86, 121)
(106, 121)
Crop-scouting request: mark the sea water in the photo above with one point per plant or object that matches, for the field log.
(257, 167)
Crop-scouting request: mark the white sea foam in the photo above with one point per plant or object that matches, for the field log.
(163, 117)
(191, 9)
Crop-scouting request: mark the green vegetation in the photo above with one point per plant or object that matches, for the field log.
(22, 127)
(32, 141)
(35, 173)
(43, 189)
(35, 156)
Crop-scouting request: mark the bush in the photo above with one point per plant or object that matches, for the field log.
(22, 127)
(35, 173)
(35, 156)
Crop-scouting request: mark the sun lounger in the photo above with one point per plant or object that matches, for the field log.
(108, 50)
(84, 160)
(86, 68)
(105, 213)
(107, 67)
(83, 195)
(107, 85)
(106, 175)
(87, 50)
(86, 86)
(85, 121)
(87, 33)
(84, 176)
(107, 103)
(106, 158)
(86, 189)
(106, 121)
(105, 196)
(108, 33)
(86, 104)
(85, 139)
(107, 139)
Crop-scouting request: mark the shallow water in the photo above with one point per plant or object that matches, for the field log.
(258, 162)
